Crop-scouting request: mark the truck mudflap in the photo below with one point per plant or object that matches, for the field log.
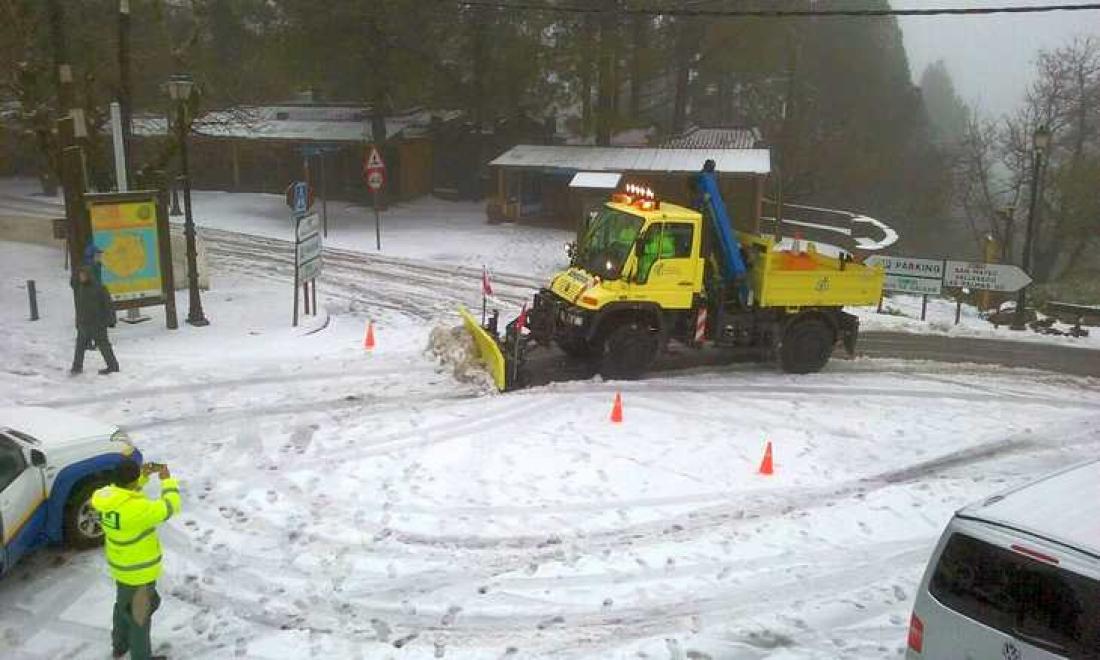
(848, 324)
(488, 349)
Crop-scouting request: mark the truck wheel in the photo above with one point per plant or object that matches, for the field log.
(82, 528)
(579, 348)
(806, 347)
(631, 350)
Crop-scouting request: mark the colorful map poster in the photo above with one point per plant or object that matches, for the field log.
(126, 232)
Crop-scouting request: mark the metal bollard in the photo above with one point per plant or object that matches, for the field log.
(32, 296)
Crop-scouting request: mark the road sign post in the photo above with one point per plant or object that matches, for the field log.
(928, 277)
(307, 242)
(374, 173)
(308, 246)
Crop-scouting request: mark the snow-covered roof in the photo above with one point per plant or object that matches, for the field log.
(631, 137)
(298, 123)
(633, 159)
(713, 138)
(602, 180)
(1052, 507)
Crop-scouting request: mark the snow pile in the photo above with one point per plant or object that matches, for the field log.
(455, 348)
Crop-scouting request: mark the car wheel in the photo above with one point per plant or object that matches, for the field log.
(82, 528)
(631, 350)
(806, 347)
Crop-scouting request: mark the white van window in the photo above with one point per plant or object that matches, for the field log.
(1039, 604)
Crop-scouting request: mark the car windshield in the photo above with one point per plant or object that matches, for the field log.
(607, 243)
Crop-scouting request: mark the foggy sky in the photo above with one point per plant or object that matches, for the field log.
(990, 57)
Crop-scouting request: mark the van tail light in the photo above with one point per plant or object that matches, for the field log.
(916, 634)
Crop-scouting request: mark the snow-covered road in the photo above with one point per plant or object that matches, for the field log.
(340, 504)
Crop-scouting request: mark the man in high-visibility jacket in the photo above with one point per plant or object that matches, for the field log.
(130, 522)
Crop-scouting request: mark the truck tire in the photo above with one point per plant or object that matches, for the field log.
(579, 348)
(631, 350)
(81, 524)
(806, 346)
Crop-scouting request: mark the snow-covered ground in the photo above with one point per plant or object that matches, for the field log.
(345, 504)
(427, 229)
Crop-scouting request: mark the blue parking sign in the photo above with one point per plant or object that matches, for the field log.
(299, 197)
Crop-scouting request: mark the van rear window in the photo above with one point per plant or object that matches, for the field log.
(1039, 604)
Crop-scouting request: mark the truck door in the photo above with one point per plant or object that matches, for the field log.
(667, 270)
(22, 494)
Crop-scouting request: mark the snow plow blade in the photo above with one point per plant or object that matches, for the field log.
(487, 348)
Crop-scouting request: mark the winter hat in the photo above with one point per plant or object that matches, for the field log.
(126, 472)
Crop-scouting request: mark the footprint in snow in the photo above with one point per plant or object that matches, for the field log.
(449, 618)
(381, 629)
(555, 621)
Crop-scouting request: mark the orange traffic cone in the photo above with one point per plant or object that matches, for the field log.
(368, 341)
(766, 466)
(617, 409)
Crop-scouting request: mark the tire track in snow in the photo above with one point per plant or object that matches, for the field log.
(638, 621)
(754, 505)
(230, 383)
(786, 390)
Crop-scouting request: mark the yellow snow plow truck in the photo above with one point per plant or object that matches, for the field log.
(646, 272)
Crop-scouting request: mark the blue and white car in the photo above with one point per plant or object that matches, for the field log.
(50, 464)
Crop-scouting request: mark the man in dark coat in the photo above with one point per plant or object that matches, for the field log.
(94, 314)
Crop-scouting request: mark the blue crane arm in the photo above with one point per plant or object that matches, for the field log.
(712, 206)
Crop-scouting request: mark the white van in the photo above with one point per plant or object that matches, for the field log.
(1016, 577)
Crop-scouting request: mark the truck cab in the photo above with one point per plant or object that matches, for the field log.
(50, 464)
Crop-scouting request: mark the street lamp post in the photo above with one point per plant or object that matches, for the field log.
(180, 88)
(1040, 141)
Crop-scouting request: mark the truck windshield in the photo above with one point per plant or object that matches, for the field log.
(607, 243)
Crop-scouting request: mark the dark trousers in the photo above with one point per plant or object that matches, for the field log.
(83, 340)
(134, 607)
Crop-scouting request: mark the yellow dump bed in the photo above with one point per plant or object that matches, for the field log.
(806, 278)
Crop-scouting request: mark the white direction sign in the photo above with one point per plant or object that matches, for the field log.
(909, 274)
(985, 277)
(910, 266)
(923, 286)
(309, 249)
(308, 225)
(309, 270)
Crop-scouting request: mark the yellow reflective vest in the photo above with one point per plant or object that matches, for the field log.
(130, 522)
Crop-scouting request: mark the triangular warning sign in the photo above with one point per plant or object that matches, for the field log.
(374, 161)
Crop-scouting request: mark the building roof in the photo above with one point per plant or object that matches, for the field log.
(633, 159)
(697, 137)
(1053, 507)
(601, 180)
(298, 123)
